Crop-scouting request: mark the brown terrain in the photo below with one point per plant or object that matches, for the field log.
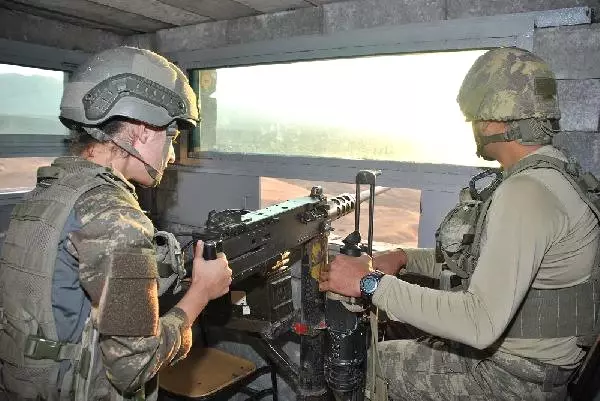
(18, 174)
(396, 219)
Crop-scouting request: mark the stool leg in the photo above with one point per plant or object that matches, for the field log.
(274, 383)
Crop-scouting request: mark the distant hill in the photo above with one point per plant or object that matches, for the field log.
(30, 95)
(10, 124)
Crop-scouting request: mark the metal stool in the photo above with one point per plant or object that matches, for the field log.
(212, 374)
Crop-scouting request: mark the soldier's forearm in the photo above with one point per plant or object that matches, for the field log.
(460, 316)
(193, 303)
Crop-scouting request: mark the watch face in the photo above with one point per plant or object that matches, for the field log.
(369, 285)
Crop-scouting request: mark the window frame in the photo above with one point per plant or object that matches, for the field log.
(446, 35)
(450, 35)
(439, 183)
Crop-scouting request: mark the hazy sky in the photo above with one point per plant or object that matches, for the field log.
(406, 98)
(403, 97)
(15, 69)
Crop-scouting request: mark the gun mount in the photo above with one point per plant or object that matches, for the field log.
(261, 246)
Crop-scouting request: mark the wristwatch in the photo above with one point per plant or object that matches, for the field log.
(369, 283)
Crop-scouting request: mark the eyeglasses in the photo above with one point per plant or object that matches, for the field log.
(172, 131)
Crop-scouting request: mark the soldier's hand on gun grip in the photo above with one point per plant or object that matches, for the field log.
(390, 262)
(211, 276)
(344, 274)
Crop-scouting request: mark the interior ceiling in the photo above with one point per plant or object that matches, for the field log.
(128, 17)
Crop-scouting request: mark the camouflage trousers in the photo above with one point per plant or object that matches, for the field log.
(435, 370)
(102, 390)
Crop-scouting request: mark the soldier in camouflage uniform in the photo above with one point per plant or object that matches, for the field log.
(518, 261)
(78, 268)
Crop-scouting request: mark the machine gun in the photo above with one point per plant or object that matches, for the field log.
(260, 246)
(253, 240)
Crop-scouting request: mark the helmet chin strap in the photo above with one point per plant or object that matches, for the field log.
(528, 132)
(152, 172)
(481, 141)
(101, 136)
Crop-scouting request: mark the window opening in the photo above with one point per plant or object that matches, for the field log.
(30, 100)
(388, 107)
(18, 174)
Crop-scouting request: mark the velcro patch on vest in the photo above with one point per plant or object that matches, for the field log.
(129, 302)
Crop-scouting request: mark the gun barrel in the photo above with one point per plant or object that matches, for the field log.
(342, 204)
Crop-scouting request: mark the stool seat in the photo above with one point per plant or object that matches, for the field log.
(204, 372)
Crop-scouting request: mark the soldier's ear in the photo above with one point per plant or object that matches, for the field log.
(89, 151)
(141, 133)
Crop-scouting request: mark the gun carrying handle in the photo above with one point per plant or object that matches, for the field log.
(367, 177)
(211, 249)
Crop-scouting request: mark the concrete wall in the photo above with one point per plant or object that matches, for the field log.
(21, 27)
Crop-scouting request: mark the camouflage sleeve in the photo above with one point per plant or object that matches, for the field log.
(117, 269)
(132, 361)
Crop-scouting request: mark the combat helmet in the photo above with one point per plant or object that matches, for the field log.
(514, 86)
(508, 84)
(128, 82)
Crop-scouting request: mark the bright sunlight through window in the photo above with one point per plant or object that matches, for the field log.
(30, 100)
(400, 108)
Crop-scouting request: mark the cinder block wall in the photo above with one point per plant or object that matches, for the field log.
(572, 51)
(574, 54)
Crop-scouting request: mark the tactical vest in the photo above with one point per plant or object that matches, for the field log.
(548, 313)
(29, 346)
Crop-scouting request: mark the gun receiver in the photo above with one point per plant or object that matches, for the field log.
(254, 240)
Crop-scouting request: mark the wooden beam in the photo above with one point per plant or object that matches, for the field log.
(100, 13)
(23, 27)
(155, 10)
(270, 6)
(215, 9)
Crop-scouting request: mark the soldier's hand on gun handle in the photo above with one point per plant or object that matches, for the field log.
(213, 277)
(390, 262)
(210, 280)
(343, 274)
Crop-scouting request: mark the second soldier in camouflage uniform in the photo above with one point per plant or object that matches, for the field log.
(78, 269)
(518, 261)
